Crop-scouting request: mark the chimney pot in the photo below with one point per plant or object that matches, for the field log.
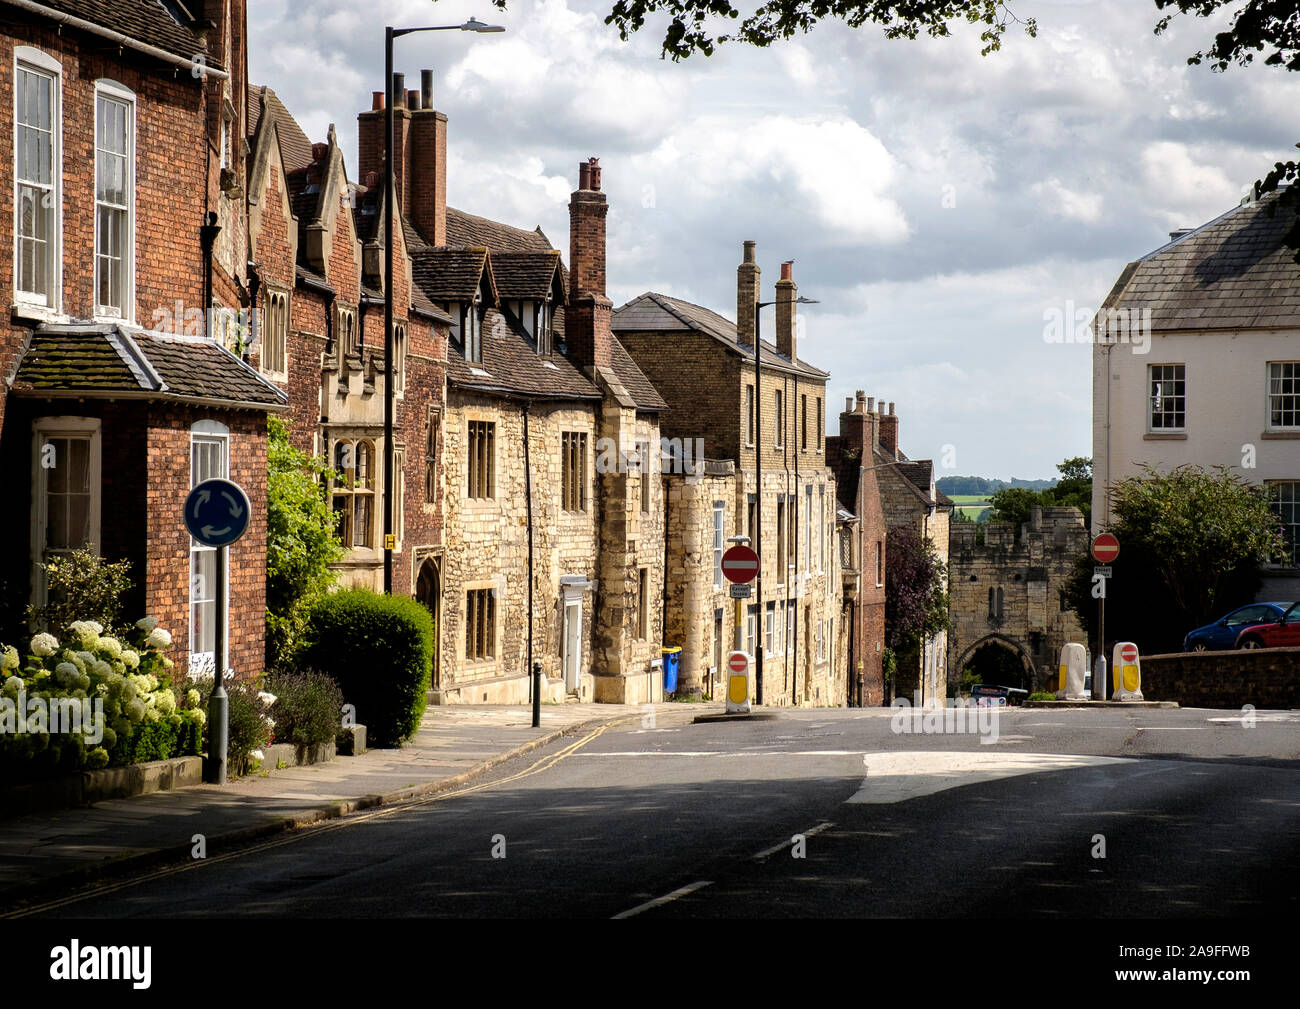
(749, 251)
(376, 101)
(399, 91)
(871, 404)
(891, 409)
(319, 151)
(413, 99)
(371, 180)
(426, 89)
(848, 404)
(787, 270)
(584, 175)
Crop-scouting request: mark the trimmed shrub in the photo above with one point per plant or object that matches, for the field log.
(308, 707)
(248, 723)
(379, 649)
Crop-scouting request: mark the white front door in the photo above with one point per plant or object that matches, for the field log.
(572, 643)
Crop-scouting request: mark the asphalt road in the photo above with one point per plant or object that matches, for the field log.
(1199, 816)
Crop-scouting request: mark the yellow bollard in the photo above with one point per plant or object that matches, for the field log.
(1127, 672)
(1074, 666)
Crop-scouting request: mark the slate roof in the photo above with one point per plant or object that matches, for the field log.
(143, 20)
(450, 274)
(469, 229)
(512, 364)
(525, 275)
(105, 360)
(295, 147)
(521, 265)
(1232, 273)
(658, 313)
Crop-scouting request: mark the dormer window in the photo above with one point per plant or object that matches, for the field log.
(471, 326)
(544, 327)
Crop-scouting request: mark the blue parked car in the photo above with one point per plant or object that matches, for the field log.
(1222, 634)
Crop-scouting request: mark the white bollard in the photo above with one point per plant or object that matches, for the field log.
(1074, 666)
(1127, 675)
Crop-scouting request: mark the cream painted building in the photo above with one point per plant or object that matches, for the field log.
(1197, 361)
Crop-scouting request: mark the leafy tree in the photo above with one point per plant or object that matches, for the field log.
(1015, 505)
(1191, 545)
(1074, 487)
(301, 543)
(916, 605)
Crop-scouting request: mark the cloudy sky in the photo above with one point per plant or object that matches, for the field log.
(938, 204)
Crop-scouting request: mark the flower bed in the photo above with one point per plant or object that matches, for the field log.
(93, 700)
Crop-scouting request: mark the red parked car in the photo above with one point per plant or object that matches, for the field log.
(1281, 633)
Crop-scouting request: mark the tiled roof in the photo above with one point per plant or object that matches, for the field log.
(511, 363)
(658, 313)
(143, 20)
(525, 275)
(106, 360)
(634, 381)
(447, 274)
(295, 147)
(467, 229)
(1232, 273)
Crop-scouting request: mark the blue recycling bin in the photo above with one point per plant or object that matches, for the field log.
(671, 657)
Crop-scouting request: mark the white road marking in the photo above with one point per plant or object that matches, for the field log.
(896, 776)
(1170, 728)
(725, 753)
(665, 899)
(785, 844)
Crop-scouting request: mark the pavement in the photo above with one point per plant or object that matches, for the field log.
(454, 745)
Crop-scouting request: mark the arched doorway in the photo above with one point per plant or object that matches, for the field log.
(998, 660)
(428, 591)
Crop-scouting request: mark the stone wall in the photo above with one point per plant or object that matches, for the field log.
(1031, 577)
(1265, 678)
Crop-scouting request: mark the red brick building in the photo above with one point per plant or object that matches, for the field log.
(120, 124)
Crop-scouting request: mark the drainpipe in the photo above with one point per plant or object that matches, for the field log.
(535, 684)
(207, 239)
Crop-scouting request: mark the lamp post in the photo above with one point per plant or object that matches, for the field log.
(758, 476)
(390, 33)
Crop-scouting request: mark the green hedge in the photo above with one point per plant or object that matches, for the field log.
(379, 649)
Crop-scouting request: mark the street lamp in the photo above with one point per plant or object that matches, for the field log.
(390, 33)
(758, 476)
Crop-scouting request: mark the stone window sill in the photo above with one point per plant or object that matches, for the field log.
(1280, 435)
(1162, 436)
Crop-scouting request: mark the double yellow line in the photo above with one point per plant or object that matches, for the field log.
(315, 829)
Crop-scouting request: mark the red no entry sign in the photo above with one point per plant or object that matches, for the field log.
(1105, 548)
(738, 663)
(740, 564)
(1129, 654)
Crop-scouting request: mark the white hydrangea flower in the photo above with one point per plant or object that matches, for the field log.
(146, 624)
(67, 673)
(100, 668)
(135, 709)
(165, 701)
(130, 658)
(10, 659)
(257, 755)
(192, 698)
(45, 645)
(95, 626)
(267, 698)
(85, 633)
(112, 646)
(84, 660)
(12, 686)
(159, 638)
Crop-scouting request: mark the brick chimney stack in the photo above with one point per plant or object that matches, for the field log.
(786, 292)
(427, 206)
(587, 210)
(889, 431)
(747, 276)
(587, 319)
(857, 427)
(420, 158)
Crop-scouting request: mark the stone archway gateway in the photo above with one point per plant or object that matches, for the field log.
(428, 591)
(1010, 645)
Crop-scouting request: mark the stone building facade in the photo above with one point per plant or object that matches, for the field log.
(547, 467)
(797, 620)
(120, 392)
(1013, 594)
(910, 499)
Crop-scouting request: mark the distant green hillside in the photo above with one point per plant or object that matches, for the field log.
(981, 487)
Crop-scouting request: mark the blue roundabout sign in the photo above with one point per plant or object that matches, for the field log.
(217, 512)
